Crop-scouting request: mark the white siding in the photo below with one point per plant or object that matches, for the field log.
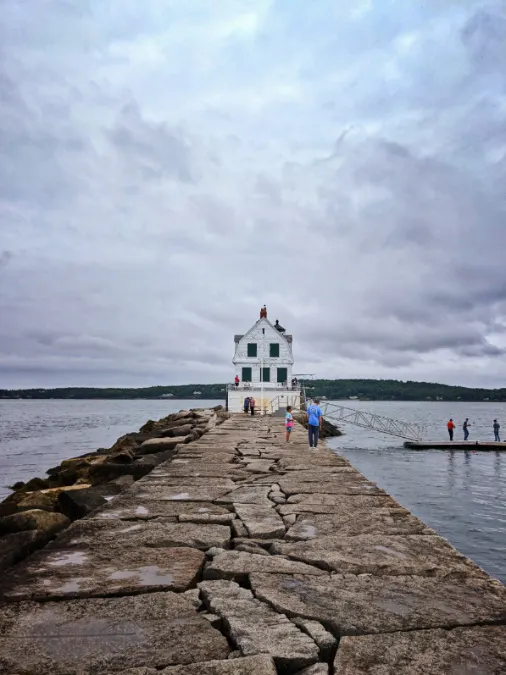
(255, 335)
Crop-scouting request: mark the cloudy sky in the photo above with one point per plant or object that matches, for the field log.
(167, 167)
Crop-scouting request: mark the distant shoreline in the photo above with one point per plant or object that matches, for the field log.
(330, 390)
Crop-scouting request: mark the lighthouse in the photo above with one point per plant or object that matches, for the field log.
(263, 362)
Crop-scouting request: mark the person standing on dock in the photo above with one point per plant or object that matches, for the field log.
(314, 423)
(497, 426)
(465, 428)
(252, 404)
(451, 429)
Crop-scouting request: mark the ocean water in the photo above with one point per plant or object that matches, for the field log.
(461, 494)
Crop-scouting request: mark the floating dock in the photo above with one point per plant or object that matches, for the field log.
(455, 445)
(247, 555)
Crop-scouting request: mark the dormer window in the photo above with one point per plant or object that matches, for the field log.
(252, 349)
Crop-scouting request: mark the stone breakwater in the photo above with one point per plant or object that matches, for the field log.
(42, 507)
(246, 555)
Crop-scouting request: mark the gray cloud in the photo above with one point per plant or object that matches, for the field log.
(164, 171)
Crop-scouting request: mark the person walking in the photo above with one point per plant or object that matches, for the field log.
(451, 429)
(246, 404)
(465, 428)
(252, 404)
(314, 423)
(497, 426)
(288, 422)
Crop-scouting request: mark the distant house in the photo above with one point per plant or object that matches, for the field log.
(167, 395)
(197, 393)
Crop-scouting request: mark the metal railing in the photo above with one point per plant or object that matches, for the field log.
(367, 420)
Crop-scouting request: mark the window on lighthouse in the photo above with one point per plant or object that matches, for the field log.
(246, 374)
(252, 349)
(274, 350)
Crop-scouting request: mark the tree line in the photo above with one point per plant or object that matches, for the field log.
(374, 390)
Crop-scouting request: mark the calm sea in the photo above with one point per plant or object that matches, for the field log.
(460, 494)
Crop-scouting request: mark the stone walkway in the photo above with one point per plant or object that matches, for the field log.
(248, 556)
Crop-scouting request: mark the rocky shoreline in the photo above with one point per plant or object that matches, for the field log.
(40, 508)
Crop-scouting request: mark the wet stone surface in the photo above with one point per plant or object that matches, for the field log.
(463, 651)
(105, 635)
(99, 534)
(74, 572)
(367, 604)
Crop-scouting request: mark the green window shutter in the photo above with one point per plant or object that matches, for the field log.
(252, 349)
(282, 374)
(266, 375)
(274, 350)
(246, 374)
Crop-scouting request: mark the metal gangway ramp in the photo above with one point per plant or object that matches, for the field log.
(368, 420)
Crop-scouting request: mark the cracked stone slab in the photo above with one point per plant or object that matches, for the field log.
(198, 470)
(325, 640)
(259, 466)
(316, 669)
(331, 474)
(199, 481)
(256, 628)
(338, 487)
(102, 635)
(350, 604)
(112, 534)
(373, 521)
(180, 493)
(261, 521)
(237, 565)
(462, 651)
(248, 665)
(342, 505)
(132, 508)
(308, 462)
(79, 573)
(248, 494)
(382, 555)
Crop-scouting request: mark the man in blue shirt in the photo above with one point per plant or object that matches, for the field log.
(314, 423)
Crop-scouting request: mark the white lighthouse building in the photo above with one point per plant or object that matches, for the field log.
(263, 362)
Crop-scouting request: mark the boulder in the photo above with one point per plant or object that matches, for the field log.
(79, 503)
(109, 471)
(36, 519)
(183, 430)
(36, 500)
(149, 460)
(123, 482)
(158, 445)
(14, 547)
(32, 485)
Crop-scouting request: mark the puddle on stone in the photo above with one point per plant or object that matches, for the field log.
(72, 586)
(141, 511)
(74, 558)
(390, 551)
(180, 496)
(147, 576)
(108, 499)
(307, 530)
